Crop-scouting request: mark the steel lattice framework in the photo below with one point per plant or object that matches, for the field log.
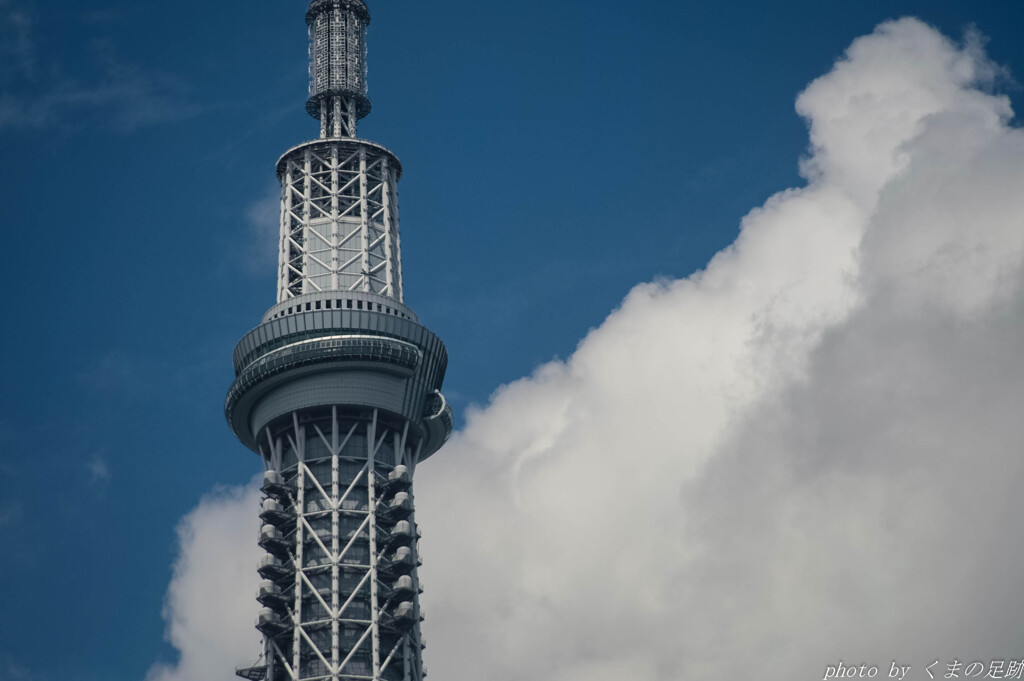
(340, 584)
(339, 220)
(338, 391)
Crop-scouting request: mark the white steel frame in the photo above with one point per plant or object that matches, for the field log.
(311, 499)
(338, 117)
(339, 221)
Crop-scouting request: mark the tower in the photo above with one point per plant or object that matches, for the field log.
(338, 391)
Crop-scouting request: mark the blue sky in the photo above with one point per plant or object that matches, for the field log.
(555, 154)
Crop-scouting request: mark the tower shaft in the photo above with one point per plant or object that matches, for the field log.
(338, 391)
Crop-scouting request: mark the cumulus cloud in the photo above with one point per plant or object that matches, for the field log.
(210, 607)
(805, 453)
(809, 451)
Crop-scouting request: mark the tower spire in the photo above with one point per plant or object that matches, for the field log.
(337, 65)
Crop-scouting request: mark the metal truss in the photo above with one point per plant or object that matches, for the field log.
(339, 220)
(338, 116)
(340, 590)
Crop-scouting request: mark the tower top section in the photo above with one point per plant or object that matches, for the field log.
(339, 202)
(337, 65)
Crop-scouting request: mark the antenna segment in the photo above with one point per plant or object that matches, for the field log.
(337, 65)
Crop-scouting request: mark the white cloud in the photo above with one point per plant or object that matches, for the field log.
(211, 607)
(807, 452)
(761, 467)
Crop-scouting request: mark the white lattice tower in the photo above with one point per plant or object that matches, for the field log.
(338, 390)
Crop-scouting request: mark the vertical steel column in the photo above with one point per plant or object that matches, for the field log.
(336, 105)
(298, 445)
(393, 201)
(385, 199)
(352, 117)
(286, 222)
(335, 236)
(371, 493)
(335, 530)
(364, 222)
(307, 214)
